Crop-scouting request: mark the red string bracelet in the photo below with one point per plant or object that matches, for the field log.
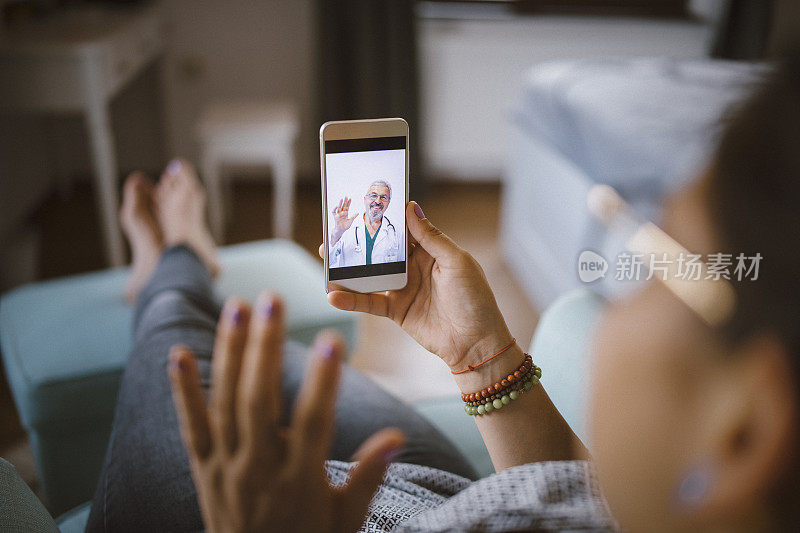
(470, 368)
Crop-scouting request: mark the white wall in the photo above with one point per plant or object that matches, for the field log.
(240, 49)
(471, 72)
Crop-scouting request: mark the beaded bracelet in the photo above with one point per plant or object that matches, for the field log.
(499, 394)
(505, 395)
(513, 377)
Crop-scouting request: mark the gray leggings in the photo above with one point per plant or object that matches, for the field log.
(145, 484)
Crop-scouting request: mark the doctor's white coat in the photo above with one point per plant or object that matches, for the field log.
(351, 249)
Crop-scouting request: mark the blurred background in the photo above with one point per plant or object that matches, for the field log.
(515, 108)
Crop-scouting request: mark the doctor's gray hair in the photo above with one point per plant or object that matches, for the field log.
(382, 183)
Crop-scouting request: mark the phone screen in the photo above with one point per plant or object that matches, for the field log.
(365, 187)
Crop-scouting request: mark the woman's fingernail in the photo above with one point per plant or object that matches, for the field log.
(327, 351)
(694, 486)
(391, 455)
(236, 316)
(418, 211)
(174, 167)
(176, 363)
(268, 308)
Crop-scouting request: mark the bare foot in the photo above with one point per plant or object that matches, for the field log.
(138, 219)
(181, 204)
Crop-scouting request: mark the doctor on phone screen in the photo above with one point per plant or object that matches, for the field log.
(367, 239)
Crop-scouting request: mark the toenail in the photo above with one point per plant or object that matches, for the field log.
(174, 167)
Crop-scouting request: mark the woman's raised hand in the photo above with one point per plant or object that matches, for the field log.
(447, 305)
(252, 474)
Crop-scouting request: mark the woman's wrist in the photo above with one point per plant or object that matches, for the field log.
(492, 371)
(493, 339)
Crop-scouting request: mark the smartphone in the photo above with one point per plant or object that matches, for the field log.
(364, 195)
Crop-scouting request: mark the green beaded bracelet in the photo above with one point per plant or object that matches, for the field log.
(507, 397)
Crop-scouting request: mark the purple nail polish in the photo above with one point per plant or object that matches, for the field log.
(268, 308)
(695, 485)
(176, 364)
(174, 167)
(392, 455)
(236, 316)
(418, 211)
(327, 351)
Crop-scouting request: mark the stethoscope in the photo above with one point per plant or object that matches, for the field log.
(357, 247)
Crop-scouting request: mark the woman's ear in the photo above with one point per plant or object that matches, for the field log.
(753, 430)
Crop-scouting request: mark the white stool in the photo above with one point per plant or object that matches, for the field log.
(249, 133)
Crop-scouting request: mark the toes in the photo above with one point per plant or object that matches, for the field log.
(134, 182)
(165, 186)
(146, 183)
(168, 179)
(137, 176)
(135, 192)
(179, 167)
(174, 167)
(186, 168)
(181, 171)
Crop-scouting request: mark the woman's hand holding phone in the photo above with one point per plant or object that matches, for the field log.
(447, 305)
(449, 309)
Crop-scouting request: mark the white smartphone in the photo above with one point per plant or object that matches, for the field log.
(364, 195)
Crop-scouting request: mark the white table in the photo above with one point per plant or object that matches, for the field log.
(75, 61)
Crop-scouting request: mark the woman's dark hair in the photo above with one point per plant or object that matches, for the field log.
(754, 195)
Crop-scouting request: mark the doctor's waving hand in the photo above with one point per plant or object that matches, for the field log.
(367, 239)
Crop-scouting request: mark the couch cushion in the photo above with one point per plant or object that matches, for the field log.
(562, 347)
